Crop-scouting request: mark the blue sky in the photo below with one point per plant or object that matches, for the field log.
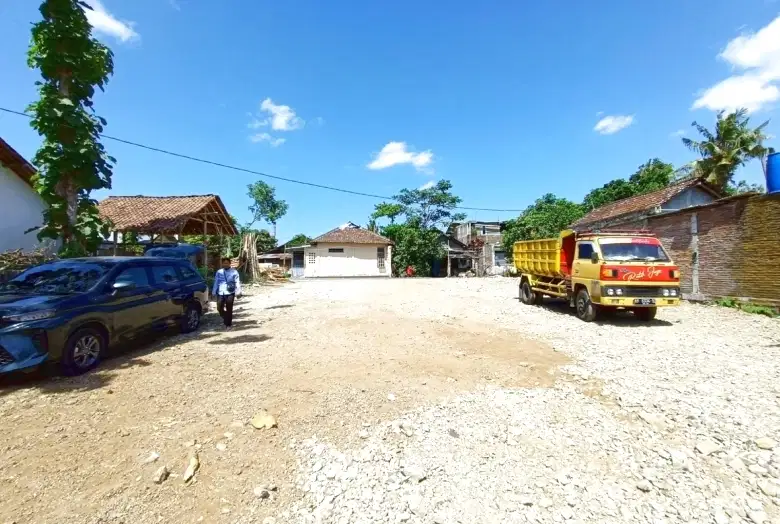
(508, 100)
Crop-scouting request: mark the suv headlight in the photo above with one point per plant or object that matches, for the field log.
(30, 317)
(619, 291)
(665, 292)
(610, 291)
(674, 292)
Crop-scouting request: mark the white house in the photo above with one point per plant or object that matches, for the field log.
(22, 206)
(347, 251)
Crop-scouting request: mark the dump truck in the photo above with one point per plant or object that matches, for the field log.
(599, 272)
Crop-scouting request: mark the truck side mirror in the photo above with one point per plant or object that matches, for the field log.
(594, 257)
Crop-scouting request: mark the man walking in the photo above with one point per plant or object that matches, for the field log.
(226, 287)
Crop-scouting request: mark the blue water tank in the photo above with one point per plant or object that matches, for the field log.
(773, 173)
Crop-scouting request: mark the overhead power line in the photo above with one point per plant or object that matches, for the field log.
(259, 173)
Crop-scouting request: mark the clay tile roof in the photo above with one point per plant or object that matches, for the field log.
(350, 233)
(171, 214)
(644, 202)
(16, 162)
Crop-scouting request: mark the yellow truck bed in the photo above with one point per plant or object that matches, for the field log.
(538, 257)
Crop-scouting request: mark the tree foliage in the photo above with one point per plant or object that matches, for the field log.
(732, 144)
(71, 161)
(299, 240)
(425, 213)
(545, 218)
(743, 186)
(265, 205)
(415, 246)
(650, 176)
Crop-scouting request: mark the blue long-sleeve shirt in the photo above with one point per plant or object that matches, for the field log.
(221, 279)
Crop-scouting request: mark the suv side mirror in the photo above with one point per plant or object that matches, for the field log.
(594, 257)
(122, 285)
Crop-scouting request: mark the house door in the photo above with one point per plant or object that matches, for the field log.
(297, 264)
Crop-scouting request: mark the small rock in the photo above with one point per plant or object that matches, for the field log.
(655, 421)
(221, 446)
(721, 517)
(269, 520)
(765, 443)
(525, 500)
(769, 489)
(545, 503)
(237, 424)
(263, 420)
(644, 485)
(403, 517)
(707, 447)
(414, 501)
(567, 514)
(737, 465)
(757, 470)
(414, 473)
(453, 433)
(262, 492)
(192, 467)
(161, 474)
(757, 517)
(754, 505)
(363, 434)
(228, 435)
(391, 397)
(153, 457)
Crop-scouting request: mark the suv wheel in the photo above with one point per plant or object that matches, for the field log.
(645, 314)
(190, 321)
(83, 351)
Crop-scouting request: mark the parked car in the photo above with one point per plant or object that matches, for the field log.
(71, 311)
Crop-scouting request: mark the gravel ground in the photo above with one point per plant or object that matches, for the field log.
(410, 400)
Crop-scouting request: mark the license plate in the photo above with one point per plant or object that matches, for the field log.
(644, 301)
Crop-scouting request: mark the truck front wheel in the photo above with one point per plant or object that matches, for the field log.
(587, 311)
(645, 314)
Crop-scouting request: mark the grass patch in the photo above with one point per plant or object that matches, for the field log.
(747, 307)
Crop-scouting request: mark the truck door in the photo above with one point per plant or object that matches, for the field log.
(585, 269)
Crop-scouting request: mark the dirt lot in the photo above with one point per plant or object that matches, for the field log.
(343, 358)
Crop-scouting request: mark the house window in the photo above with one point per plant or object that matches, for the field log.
(335, 250)
(380, 258)
(312, 257)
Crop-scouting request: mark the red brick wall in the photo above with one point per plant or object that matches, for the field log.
(738, 246)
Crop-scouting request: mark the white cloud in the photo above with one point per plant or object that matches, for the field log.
(279, 117)
(678, 134)
(395, 153)
(427, 185)
(265, 137)
(757, 56)
(104, 22)
(613, 123)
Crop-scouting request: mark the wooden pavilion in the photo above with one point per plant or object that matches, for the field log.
(167, 216)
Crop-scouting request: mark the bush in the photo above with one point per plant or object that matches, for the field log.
(747, 307)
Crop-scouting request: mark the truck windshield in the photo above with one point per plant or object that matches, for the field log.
(645, 249)
(59, 278)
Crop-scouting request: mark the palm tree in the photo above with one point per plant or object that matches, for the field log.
(732, 145)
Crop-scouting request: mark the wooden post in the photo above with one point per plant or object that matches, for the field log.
(206, 245)
(116, 239)
(449, 264)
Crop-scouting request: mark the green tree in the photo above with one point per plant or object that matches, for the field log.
(299, 240)
(414, 246)
(743, 186)
(545, 218)
(387, 210)
(732, 144)
(71, 161)
(430, 207)
(265, 206)
(650, 176)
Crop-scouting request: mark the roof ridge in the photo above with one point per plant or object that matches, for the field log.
(169, 196)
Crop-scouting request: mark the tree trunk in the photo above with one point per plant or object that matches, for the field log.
(274, 224)
(66, 189)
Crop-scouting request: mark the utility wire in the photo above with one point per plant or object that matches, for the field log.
(258, 173)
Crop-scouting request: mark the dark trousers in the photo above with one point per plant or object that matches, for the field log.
(225, 308)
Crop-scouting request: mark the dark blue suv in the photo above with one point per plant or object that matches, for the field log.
(70, 311)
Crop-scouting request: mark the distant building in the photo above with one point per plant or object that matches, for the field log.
(346, 251)
(22, 206)
(687, 193)
(493, 258)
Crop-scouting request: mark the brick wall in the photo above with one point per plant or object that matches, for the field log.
(738, 246)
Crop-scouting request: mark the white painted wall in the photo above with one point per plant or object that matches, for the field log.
(22, 209)
(357, 260)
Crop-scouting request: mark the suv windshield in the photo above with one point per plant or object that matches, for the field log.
(646, 250)
(56, 279)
